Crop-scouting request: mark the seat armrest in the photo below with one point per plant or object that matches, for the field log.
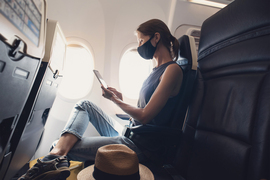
(123, 116)
(140, 129)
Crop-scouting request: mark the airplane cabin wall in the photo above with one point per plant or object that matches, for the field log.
(108, 27)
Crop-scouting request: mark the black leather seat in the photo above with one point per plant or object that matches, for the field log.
(227, 132)
(17, 74)
(188, 62)
(28, 133)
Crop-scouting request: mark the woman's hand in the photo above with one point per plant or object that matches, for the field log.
(117, 93)
(111, 92)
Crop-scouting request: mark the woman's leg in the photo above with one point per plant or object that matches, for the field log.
(65, 143)
(86, 148)
(83, 113)
(56, 165)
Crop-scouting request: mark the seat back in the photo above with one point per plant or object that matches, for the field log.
(17, 75)
(30, 127)
(227, 132)
(188, 62)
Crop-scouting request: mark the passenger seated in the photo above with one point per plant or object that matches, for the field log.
(157, 100)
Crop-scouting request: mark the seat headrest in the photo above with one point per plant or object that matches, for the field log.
(187, 53)
(239, 17)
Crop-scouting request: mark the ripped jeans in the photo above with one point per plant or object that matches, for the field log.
(109, 129)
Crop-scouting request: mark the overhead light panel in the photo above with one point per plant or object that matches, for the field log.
(209, 3)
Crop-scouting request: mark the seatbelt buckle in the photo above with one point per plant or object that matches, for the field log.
(126, 131)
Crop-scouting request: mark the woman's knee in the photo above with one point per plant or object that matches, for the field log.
(84, 104)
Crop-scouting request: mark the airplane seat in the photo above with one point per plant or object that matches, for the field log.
(22, 38)
(188, 62)
(39, 102)
(17, 74)
(227, 131)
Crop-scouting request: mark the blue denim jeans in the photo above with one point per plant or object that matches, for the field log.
(109, 129)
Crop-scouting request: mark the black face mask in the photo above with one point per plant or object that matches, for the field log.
(147, 50)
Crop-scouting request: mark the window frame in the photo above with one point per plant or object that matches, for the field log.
(85, 44)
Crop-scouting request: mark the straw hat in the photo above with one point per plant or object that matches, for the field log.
(116, 161)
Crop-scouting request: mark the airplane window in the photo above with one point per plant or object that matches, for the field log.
(78, 72)
(132, 73)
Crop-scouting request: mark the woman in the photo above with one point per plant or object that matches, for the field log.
(156, 101)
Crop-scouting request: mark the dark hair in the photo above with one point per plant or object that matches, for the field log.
(149, 28)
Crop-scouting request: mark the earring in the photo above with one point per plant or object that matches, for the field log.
(171, 49)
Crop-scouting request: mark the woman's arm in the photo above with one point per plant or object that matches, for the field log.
(169, 86)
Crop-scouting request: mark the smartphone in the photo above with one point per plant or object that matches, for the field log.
(100, 79)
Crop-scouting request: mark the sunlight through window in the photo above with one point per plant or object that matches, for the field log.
(78, 72)
(132, 73)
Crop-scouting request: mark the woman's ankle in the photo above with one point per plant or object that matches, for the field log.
(58, 152)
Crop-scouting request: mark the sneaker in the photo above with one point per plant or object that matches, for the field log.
(48, 170)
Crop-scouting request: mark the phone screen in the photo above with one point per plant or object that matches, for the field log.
(100, 79)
